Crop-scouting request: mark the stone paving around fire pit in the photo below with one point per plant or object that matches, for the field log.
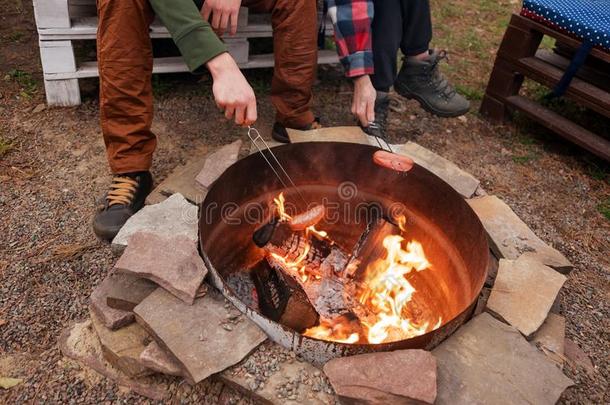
(200, 335)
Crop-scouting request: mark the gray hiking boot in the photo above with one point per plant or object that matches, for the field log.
(377, 128)
(422, 81)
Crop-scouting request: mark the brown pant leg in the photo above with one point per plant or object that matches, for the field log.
(296, 57)
(124, 54)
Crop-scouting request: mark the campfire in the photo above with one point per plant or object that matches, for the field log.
(327, 266)
(357, 297)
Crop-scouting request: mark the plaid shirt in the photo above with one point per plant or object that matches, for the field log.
(352, 22)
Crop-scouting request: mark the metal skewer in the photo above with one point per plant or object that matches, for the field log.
(387, 147)
(274, 163)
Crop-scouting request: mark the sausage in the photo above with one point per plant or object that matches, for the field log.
(393, 161)
(307, 218)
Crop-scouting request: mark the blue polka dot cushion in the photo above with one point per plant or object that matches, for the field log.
(583, 19)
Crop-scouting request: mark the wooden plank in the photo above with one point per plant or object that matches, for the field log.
(84, 28)
(527, 24)
(562, 126)
(580, 91)
(587, 72)
(177, 65)
(57, 56)
(51, 13)
(63, 93)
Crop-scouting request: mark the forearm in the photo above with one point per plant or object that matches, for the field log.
(352, 23)
(194, 37)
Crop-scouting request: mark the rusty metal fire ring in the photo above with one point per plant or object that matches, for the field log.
(344, 174)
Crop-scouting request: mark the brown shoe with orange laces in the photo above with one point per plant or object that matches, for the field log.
(125, 197)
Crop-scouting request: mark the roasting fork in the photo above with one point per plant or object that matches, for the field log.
(274, 163)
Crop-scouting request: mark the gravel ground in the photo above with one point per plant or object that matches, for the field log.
(55, 168)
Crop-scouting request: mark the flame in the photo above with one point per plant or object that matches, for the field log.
(295, 265)
(337, 332)
(384, 292)
(279, 202)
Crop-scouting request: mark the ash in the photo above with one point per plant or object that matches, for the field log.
(242, 285)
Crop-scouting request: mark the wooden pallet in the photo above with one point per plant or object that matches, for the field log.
(61, 22)
(519, 57)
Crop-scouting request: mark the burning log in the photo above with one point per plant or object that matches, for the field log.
(282, 301)
(369, 247)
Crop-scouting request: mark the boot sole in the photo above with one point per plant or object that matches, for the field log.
(424, 104)
(279, 138)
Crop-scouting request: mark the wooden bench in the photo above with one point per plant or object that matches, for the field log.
(61, 22)
(519, 57)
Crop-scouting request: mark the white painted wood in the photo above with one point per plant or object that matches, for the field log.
(57, 56)
(59, 22)
(86, 28)
(177, 65)
(239, 49)
(62, 93)
(52, 13)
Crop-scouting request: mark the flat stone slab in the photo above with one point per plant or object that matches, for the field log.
(461, 181)
(182, 180)
(80, 343)
(216, 163)
(126, 291)
(401, 376)
(270, 144)
(551, 336)
(111, 318)
(204, 338)
(171, 262)
(122, 347)
(172, 217)
(524, 293)
(156, 359)
(274, 375)
(489, 362)
(330, 134)
(510, 237)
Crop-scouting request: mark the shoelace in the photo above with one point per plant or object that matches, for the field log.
(437, 79)
(122, 190)
(381, 115)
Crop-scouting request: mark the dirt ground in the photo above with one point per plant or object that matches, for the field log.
(53, 167)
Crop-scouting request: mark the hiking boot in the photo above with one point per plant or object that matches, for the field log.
(280, 134)
(423, 81)
(125, 197)
(377, 128)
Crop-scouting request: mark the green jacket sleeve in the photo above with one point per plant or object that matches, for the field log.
(194, 37)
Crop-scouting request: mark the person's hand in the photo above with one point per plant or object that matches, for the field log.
(363, 104)
(231, 90)
(223, 12)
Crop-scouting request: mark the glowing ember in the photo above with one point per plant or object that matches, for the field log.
(387, 292)
(384, 291)
(336, 331)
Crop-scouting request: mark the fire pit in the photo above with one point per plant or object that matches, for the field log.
(415, 254)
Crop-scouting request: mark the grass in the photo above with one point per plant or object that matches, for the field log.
(160, 85)
(470, 93)
(29, 85)
(5, 146)
(604, 208)
(471, 31)
(524, 159)
(15, 36)
(598, 171)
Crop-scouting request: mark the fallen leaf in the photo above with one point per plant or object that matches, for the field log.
(7, 382)
(3, 322)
